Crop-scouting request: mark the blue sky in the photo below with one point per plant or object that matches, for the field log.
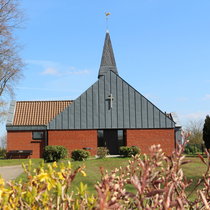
(162, 48)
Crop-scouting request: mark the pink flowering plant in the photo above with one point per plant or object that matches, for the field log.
(158, 182)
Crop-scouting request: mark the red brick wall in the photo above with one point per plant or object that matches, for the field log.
(78, 139)
(22, 140)
(74, 139)
(144, 138)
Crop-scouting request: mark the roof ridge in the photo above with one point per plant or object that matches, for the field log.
(45, 101)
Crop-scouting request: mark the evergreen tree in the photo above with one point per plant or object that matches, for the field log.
(206, 132)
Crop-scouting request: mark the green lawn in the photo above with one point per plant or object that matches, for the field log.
(92, 169)
(12, 162)
(192, 170)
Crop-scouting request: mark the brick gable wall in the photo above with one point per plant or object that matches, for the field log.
(144, 138)
(22, 140)
(74, 139)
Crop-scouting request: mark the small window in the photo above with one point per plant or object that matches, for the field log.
(121, 137)
(101, 142)
(38, 135)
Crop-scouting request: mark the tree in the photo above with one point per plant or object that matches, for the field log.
(206, 132)
(3, 112)
(3, 141)
(195, 128)
(10, 62)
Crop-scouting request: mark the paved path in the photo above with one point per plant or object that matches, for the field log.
(10, 172)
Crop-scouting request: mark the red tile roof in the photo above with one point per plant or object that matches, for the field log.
(37, 112)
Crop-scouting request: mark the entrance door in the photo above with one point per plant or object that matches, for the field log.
(111, 141)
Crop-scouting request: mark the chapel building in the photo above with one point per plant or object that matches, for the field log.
(110, 113)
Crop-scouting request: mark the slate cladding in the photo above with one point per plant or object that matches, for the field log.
(129, 109)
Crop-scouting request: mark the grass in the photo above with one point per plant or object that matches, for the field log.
(192, 170)
(92, 169)
(93, 172)
(12, 162)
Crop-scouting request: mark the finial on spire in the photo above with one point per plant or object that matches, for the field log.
(107, 18)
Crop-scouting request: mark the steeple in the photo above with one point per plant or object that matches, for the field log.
(107, 59)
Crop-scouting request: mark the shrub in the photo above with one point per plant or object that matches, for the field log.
(80, 155)
(158, 180)
(102, 152)
(135, 150)
(125, 151)
(54, 153)
(47, 187)
(3, 153)
(129, 151)
(191, 149)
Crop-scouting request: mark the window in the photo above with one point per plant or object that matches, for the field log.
(101, 141)
(121, 138)
(38, 135)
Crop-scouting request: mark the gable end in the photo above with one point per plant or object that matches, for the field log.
(130, 109)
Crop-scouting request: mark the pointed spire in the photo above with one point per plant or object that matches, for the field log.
(107, 60)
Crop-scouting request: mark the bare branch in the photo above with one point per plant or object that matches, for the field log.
(10, 62)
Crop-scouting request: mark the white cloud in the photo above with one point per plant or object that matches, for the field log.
(44, 63)
(206, 97)
(208, 81)
(183, 99)
(193, 116)
(56, 72)
(50, 71)
(152, 97)
(78, 72)
(48, 89)
(57, 69)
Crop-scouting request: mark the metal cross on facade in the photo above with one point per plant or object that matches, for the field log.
(111, 98)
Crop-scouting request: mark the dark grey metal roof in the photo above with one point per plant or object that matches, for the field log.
(26, 127)
(129, 108)
(107, 60)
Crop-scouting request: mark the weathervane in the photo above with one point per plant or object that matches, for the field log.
(107, 18)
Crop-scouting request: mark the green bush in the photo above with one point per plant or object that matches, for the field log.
(129, 151)
(125, 151)
(80, 154)
(2, 153)
(191, 149)
(102, 152)
(135, 150)
(54, 153)
(153, 179)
